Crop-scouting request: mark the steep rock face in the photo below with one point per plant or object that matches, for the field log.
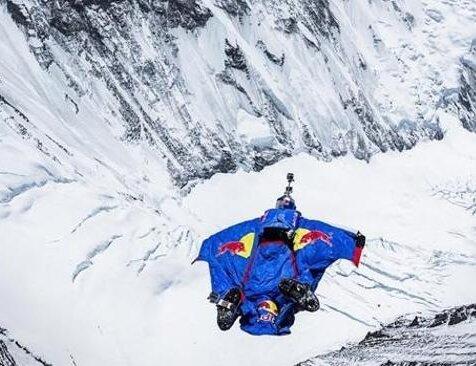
(13, 353)
(195, 80)
(234, 7)
(466, 102)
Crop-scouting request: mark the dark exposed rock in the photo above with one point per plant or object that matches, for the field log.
(406, 17)
(226, 78)
(409, 20)
(415, 322)
(362, 64)
(72, 16)
(29, 353)
(150, 96)
(454, 316)
(15, 109)
(188, 14)
(373, 337)
(462, 314)
(272, 57)
(234, 7)
(68, 21)
(18, 13)
(423, 341)
(105, 4)
(288, 25)
(463, 98)
(310, 140)
(321, 17)
(389, 138)
(235, 57)
(386, 140)
(6, 359)
(266, 158)
(467, 95)
(8, 344)
(440, 319)
(316, 15)
(415, 363)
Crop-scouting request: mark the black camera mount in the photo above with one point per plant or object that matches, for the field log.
(289, 188)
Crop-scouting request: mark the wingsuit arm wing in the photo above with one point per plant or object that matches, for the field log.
(220, 280)
(226, 270)
(317, 245)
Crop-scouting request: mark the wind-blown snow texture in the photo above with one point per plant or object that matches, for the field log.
(110, 111)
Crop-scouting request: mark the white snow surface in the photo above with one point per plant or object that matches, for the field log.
(96, 242)
(82, 277)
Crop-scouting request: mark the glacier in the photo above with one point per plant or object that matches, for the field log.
(140, 301)
(132, 130)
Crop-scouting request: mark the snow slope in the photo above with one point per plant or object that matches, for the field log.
(105, 111)
(73, 292)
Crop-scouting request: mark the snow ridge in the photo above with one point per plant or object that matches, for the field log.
(447, 338)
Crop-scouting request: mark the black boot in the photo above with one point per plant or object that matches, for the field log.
(228, 310)
(299, 293)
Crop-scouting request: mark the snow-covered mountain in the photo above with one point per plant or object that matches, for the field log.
(89, 287)
(444, 339)
(116, 118)
(216, 86)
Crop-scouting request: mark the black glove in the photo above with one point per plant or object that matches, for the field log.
(359, 240)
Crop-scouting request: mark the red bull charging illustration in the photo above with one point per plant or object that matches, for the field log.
(233, 247)
(315, 236)
(265, 270)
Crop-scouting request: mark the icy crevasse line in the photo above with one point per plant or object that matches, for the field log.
(95, 212)
(12, 192)
(88, 262)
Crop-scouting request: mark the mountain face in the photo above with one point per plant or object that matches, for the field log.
(447, 339)
(112, 112)
(466, 101)
(13, 353)
(213, 86)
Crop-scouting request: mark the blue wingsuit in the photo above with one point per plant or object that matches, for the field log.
(238, 258)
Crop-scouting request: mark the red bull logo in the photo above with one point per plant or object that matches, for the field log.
(240, 247)
(304, 237)
(232, 247)
(269, 306)
(269, 311)
(315, 236)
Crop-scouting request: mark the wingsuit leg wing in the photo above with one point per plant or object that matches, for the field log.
(236, 263)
